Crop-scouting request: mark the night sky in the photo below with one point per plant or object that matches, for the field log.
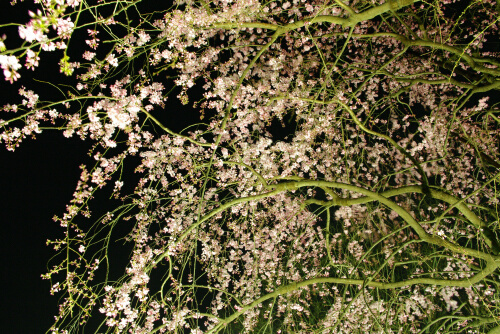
(37, 182)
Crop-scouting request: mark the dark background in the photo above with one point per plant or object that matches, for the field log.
(37, 181)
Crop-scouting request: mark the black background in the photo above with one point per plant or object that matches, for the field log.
(36, 182)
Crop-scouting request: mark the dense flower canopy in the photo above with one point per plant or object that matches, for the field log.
(340, 175)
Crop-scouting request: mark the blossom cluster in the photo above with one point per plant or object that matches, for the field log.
(341, 177)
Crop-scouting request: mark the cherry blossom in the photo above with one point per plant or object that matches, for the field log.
(340, 174)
